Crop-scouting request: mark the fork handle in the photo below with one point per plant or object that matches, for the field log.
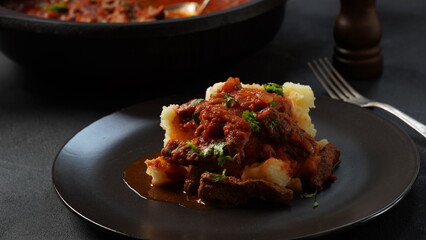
(418, 126)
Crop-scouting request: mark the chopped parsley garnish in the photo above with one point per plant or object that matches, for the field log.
(274, 123)
(56, 7)
(272, 103)
(196, 101)
(311, 195)
(193, 147)
(250, 117)
(215, 149)
(308, 195)
(219, 177)
(196, 117)
(222, 159)
(228, 100)
(274, 88)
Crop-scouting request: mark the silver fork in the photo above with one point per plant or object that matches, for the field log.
(338, 88)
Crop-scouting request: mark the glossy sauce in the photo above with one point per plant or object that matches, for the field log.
(139, 181)
(117, 11)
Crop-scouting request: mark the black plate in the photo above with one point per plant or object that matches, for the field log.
(379, 165)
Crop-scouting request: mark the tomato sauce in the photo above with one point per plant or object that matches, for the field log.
(246, 144)
(114, 11)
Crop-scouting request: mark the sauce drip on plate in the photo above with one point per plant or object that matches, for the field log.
(136, 178)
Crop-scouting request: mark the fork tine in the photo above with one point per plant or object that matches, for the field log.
(340, 90)
(322, 78)
(317, 74)
(341, 80)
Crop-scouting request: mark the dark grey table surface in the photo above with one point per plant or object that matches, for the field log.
(38, 116)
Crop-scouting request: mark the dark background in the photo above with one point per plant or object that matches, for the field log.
(39, 114)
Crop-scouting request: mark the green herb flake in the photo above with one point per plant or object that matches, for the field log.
(274, 88)
(196, 101)
(274, 124)
(222, 159)
(228, 99)
(219, 177)
(215, 149)
(250, 117)
(196, 117)
(56, 7)
(308, 195)
(311, 195)
(193, 147)
(272, 103)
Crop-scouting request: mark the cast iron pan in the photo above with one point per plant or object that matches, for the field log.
(220, 37)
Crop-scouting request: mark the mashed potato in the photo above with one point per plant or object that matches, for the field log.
(274, 170)
(302, 100)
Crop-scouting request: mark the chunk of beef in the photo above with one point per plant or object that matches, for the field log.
(281, 128)
(230, 191)
(219, 123)
(317, 169)
(176, 151)
(192, 181)
(186, 111)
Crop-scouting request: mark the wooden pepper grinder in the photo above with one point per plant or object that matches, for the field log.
(357, 35)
